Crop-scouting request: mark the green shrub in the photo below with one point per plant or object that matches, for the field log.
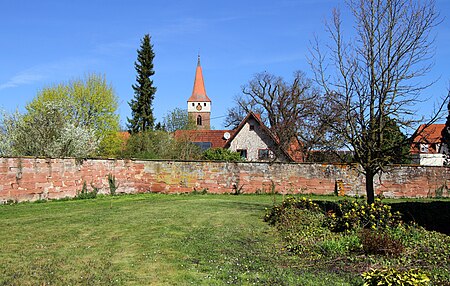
(353, 215)
(301, 229)
(274, 214)
(392, 276)
(340, 245)
(112, 184)
(86, 194)
(354, 235)
(221, 154)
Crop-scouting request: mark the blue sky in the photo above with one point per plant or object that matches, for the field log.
(47, 42)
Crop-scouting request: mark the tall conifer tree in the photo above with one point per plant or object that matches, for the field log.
(144, 91)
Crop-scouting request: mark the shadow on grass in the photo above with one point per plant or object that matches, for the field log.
(430, 215)
(433, 216)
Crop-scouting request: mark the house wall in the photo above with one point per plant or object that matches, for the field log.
(425, 159)
(428, 148)
(29, 179)
(254, 140)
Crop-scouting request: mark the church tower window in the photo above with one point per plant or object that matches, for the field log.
(199, 120)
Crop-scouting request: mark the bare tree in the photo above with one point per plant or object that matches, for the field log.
(293, 110)
(376, 76)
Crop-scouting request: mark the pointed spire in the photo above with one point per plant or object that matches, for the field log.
(199, 91)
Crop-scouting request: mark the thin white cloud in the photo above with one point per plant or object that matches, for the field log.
(23, 78)
(67, 67)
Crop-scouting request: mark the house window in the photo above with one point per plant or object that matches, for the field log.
(203, 145)
(424, 148)
(265, 154)
(252, 127)
(199, 120)
(242, 152)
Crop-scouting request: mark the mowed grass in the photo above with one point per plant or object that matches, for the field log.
(149, 239)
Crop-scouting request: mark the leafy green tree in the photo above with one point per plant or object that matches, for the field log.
(221, 154)
(88, 103)
(144, 91)
(160, 145)
(8, 123)
(178, 119)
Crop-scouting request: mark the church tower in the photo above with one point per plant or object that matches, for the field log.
(199, 104)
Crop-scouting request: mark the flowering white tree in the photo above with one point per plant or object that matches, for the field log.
(46, 133)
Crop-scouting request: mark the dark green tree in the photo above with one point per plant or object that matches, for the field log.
(144, 91)
(396, 143)
(446, 130)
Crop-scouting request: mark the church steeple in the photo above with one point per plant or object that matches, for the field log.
(199, 91)
(199, 104)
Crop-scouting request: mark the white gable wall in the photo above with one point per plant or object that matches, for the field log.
(254, 140)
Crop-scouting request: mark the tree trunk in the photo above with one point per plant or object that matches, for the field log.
(369, 187)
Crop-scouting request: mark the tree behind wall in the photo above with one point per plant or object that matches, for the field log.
(178, 119)
(292, 109)
(46, 132)
(88, 103)
(446, 134)
(375, 76)
(144, 92)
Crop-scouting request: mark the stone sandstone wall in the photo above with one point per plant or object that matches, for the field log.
(29, 179)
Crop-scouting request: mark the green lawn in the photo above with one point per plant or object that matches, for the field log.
(148, 239)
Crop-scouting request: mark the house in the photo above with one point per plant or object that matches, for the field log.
(252, 139)
(428, 147)
(255, 142)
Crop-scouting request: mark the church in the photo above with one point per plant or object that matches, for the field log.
(252, 139)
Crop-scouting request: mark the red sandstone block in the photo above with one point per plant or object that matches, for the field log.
(23, 193)
(57, 184)
(157, 188)
(69, 183)
(26, 185)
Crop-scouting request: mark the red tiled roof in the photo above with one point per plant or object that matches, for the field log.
(429, 134)
(216, 137)
(199, 91)
(124, 135)
(295, 150)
